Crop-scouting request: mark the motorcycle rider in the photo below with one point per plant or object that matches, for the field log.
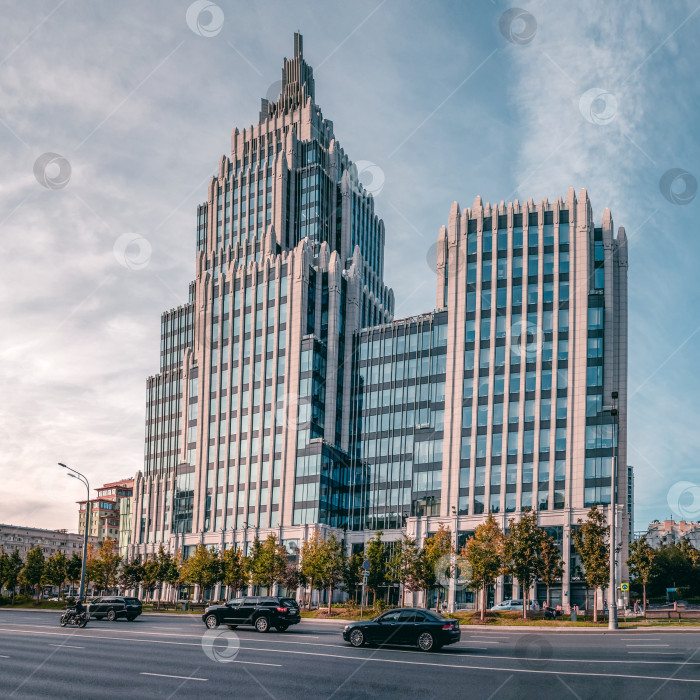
(77, 609)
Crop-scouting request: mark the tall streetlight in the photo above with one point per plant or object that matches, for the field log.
(83, 479)
(612, 605)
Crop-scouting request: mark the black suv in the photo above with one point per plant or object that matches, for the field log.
(262, 612)
(113, 607)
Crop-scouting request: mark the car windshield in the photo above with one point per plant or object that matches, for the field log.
(132, 601)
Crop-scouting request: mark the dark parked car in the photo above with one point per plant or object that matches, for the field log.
(425, 629)
(114, 607)
(262, 612)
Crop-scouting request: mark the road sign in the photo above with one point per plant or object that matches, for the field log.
(365, 564)
(624, 586)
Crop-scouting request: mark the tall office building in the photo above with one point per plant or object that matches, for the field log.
(288, 399)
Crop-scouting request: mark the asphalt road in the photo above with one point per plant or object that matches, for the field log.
(165, 657)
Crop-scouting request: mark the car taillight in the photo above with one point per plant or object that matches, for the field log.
(283, 610)
(449, 626)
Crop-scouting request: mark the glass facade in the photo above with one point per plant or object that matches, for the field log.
(288, 398)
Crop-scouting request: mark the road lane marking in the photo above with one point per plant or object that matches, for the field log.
(2, 656)
(408, 651)
(65, 646)
(479, 641)
(167, 675)
(656, 653)
(648, 645)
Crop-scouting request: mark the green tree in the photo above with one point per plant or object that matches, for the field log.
(55, 571)
(434, 548)
(234, 570)
(641, 564)
(131, 574)
(33, 569)
(14, 569)
(402, 566)
(551, 564)
(375, 553)
(352, 574)
(74, 568)
(521, 553)
(268, 562)
(202, 568)
(4, 567)
(151, 574)
(484, 553)
(292, 578)
(110, 561)
(590, 541)
(311, 561)
(332, 563)
(167, 569)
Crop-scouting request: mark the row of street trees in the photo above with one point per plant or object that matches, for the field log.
(37, 571)
(675, 565)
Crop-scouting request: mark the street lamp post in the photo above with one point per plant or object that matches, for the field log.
(83, 479)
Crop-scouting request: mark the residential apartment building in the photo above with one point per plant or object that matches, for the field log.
(22, 539)
(671, 532)
(289, 399)
(104, 510)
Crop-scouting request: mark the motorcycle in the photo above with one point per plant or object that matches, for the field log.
(70, 617)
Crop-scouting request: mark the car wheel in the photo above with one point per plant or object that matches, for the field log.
(282, 628)
(426, 641)
(211, 622)
(262, 624)
(111, 616)
(357, 638)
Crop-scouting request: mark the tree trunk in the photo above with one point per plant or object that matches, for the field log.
(644, 599)
(547, 596)
(595, 605)
(483, 601)
(330, 598)
(525, 598)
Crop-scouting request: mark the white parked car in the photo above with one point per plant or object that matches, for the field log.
(509, 604)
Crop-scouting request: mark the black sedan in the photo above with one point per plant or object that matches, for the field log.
(425, 629)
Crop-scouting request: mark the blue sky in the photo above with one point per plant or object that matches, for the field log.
(445, 103)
